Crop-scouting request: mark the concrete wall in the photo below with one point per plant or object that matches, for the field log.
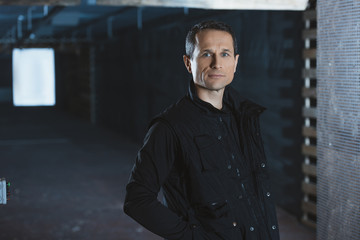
(142, 72)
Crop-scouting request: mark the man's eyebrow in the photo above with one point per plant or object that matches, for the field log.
(209, 50)
(206, 50)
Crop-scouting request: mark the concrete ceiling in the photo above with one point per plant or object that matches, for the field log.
(54, 21)
(214, 4)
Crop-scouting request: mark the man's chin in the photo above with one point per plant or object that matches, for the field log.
(216, 87)
(212, 87)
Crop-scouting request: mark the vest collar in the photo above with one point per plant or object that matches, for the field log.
(232, 101)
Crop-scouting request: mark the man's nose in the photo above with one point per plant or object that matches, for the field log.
(216, 62)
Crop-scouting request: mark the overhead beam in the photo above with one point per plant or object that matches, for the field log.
(54, 10)
(151, 25)
(298, 5)
(94, 21)
(41, 2)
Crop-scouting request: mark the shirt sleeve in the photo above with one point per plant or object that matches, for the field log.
(153, 164)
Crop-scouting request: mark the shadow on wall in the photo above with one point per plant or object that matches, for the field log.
(5, 79)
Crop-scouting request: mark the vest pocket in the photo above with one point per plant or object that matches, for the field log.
(214, 216)
(212, 156)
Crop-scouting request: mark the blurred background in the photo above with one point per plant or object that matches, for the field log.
(81, 79)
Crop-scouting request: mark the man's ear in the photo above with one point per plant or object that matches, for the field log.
(236, 62)
(187, 63)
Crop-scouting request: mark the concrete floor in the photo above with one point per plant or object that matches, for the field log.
(68, 180)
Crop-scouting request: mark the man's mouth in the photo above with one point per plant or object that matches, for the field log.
(216, 75)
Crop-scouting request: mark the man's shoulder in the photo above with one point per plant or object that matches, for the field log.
(240, 103)
(177, 112)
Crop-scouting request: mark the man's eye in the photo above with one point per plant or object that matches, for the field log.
(225, 54)
(206, 55)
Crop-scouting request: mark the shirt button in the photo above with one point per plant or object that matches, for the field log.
(252, 229)
(219, 137)
(220, 119)
(273, 227)
(234, 224)
(240, 196)
(232, 156)
(229, 166)
(193, 226)
(262, 165)
(268, 194)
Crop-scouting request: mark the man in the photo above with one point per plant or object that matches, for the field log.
(206, 154)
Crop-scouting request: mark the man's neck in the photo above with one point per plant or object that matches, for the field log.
(214, 97)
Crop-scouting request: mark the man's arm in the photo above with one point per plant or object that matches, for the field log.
(153, 164)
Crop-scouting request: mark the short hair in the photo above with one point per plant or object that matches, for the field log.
(214, 25)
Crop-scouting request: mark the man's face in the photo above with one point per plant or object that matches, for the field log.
(213, 63)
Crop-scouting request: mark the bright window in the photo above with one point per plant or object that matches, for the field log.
(33, 77)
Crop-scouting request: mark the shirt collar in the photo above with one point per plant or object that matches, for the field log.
(205, 106)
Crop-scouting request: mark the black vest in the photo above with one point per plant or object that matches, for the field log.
(208, 193)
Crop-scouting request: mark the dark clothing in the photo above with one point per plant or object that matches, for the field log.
(212, 169)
